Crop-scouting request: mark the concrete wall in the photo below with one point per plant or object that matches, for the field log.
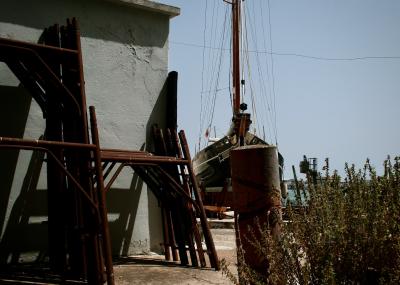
(125, 55)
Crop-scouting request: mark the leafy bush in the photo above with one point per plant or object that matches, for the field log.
(349, 232)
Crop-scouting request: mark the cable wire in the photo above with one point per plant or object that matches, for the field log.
(321, 58)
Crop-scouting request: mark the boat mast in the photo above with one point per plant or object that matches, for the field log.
(241, 120)
(236, 55)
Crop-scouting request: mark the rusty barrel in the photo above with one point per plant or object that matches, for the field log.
(257, 198)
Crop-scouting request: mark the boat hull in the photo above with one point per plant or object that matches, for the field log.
(212, 165)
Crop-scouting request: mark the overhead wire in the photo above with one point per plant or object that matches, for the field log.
(217, 90)
(293, 54)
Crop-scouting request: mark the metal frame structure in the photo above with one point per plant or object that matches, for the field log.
(94, 202)
(52, 72)
(79, 238)
(169, 175)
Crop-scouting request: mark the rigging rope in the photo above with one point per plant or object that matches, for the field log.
(250, 79)
(272, 70)
(267, 95)
(218, 73)
(212, 65)
(202, 73)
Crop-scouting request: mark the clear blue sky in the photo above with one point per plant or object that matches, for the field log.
(346, 110)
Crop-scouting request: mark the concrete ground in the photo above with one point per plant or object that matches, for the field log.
(150, 269)
(153, 269)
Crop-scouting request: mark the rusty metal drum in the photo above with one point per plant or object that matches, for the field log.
(255, 178)
(257, 197)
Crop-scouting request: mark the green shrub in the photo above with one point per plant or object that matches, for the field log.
(349, 232)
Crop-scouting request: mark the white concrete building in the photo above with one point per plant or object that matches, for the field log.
(125, 57)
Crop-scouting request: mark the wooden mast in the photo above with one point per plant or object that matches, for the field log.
(240, 119)
(236, 55)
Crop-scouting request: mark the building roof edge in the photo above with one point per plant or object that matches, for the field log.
(171, 11)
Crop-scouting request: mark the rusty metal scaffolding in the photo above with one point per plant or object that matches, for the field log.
(79, 239)
(169, 175)
(52, 72)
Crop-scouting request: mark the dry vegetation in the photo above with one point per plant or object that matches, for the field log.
(348, 232)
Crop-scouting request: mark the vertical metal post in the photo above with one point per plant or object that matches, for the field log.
(167, 242)
(203, 218)
(172, 238)
(102, 199)
(190, 221)
(83, 247)
(81, 82)
(195, 229)
(55, 178)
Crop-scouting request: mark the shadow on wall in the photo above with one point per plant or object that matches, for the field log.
(25, 236)
(124, 203)
(157, 116)
(22, 214)
(25, 230)
(95, 20)
(14, 111)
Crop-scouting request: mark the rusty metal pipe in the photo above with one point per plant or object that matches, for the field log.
(61, 54)
(45, 144)
(106, 156)
(114, 177)
(167, 243)
(195, 229)
(178, 188)
(7, 53)
(81, 79)
(102, 199)
(127, 152)
(60, 164)
(202, 213)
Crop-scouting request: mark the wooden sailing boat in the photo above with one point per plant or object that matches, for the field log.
(212, 164)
